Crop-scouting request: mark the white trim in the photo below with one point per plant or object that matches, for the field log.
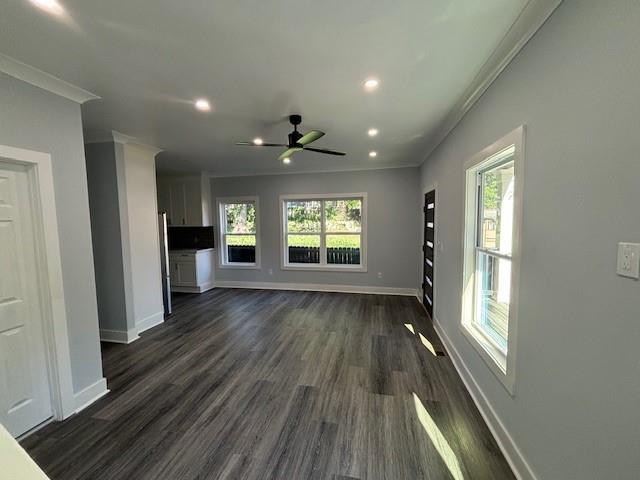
(119, 336)
(44, 80)
(318, 287)
(508, 446)
(50, 284)
(128, 140)
(150, 322)
(205, 287)
(323, 266)
(90, 394)
(222, 251)
(534, 14)
(503, 366)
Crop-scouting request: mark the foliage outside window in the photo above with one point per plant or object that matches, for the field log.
(324, 232)
(239, 232)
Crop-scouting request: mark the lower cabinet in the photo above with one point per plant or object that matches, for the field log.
(191, 271)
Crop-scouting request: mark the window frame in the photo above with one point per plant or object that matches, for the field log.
(222, 247)
(502, 363)
(323, 266)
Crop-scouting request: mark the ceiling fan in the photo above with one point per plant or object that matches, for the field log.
(297, 141)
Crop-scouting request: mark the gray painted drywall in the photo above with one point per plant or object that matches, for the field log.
(575, 86)
(392, 229)
(142, 219)
(34, 119)
(122, 188)
(106, 234)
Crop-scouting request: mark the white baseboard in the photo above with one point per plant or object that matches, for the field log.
(318, 287)
(199, 289)
(150, 322)
(118, 336)
(521, 468)
(90, 394)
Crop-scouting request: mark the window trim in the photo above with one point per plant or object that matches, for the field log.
(502, 365)
(323, 266)
(222, 255)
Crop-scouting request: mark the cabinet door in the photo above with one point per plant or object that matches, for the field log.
(164, 198)
(178, 211)
(193, 201)
(187, 273)
(173, 272)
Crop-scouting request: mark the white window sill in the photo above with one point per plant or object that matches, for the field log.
(325, 268)
(495, 358)
(240, 266)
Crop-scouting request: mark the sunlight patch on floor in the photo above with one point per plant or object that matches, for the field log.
(438, 440)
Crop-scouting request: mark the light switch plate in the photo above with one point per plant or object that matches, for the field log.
(629, 260)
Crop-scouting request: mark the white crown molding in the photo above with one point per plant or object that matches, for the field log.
(128, 140)
(534, 14)
(44, 80)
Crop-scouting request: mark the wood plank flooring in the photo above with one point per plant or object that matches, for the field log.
(256, 384)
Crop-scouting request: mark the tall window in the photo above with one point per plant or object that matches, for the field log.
(239, 241)
(325, 232)
(493, 206)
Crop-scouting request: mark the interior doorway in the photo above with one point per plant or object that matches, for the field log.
(35, 365)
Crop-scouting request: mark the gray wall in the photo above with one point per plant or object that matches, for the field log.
(575, 86)
(392, 230)
(34, 119)
(106, 233)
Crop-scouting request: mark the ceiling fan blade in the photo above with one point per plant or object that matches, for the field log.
(288, 152)
(312, 136)
(251, 144)
(322, 150)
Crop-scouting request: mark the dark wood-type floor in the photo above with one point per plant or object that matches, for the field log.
(290, 385)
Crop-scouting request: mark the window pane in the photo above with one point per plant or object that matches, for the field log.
(343, 215)
(241, 248)
(303, 216)
(343, 249)
(493, 291)
(304, 248)
(241, 217)
(496, 222)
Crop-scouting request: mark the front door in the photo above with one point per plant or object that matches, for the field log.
(429, 249)
(25, 399)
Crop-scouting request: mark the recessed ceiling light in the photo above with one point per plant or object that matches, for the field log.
(257, 141)
(373, 154)
(203, 105)
(51, 6)
(286, 160)
(371, 84)
(372, 132)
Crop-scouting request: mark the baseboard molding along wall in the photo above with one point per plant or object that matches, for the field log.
(150, 322)
(510, 450)
(90, 394)
(318, 287)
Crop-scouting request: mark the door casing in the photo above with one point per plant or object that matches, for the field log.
(49, 275)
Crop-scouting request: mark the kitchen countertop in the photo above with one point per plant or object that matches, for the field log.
(192, 250)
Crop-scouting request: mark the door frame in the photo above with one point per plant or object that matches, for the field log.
(425, 190)
(49, 275)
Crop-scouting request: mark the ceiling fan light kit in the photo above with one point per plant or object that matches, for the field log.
(297, 142)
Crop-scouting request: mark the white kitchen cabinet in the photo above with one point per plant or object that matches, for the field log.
(191, 271)
(187, 200)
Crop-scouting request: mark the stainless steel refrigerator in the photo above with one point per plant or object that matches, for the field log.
(164, 262)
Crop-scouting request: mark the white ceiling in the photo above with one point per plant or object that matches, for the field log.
(258, 61)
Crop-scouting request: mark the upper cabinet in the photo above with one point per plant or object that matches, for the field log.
(187, 200)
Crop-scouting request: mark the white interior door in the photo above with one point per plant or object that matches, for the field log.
(25, 399)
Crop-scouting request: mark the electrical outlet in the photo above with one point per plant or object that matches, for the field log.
(379, 274)
(629, 260)
(271, 271)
